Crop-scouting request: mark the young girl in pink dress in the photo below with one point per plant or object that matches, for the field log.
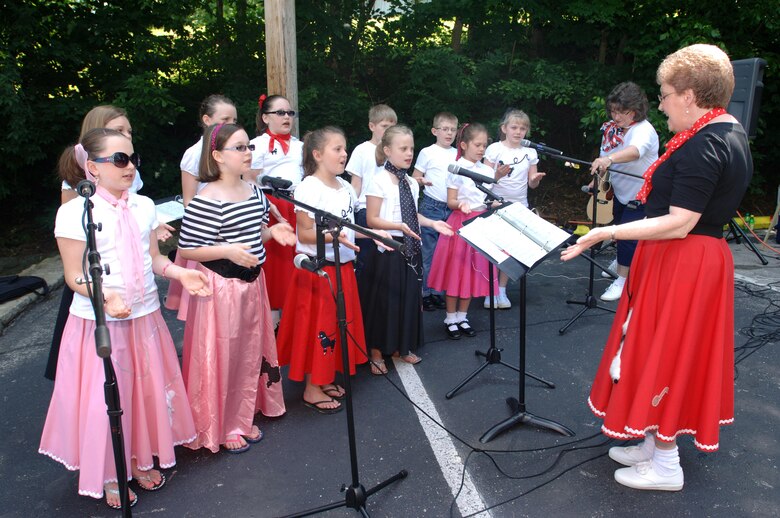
(457, 267)
(229, 355)
(153, 398)
(308, 334)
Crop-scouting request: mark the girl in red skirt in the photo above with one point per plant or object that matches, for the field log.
(308, 338)
(229, 353)
(278, 154)
(668, 366)
(457, 267)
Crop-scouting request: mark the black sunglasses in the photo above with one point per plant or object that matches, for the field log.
(282, 113)
(120, 159)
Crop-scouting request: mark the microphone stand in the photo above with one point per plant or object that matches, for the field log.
(356, 495)
(103, 345)
(493, 354)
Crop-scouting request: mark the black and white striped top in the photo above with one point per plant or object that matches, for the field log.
(209, 222)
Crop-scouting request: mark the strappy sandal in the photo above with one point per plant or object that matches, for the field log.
(378, 367)
(411, 358)
(115, 491)
(147, 478)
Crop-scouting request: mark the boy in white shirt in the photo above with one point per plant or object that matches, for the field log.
(362, 167)
(430, 171)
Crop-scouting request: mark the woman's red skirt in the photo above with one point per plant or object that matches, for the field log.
(278, 266)
(677, 362)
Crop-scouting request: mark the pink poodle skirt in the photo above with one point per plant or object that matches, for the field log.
(229, 360)
(457, 267)
(156, 411)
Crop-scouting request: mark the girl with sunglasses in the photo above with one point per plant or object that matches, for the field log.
(154, 400)
(278, 154)
(229, 354)
(103, 116)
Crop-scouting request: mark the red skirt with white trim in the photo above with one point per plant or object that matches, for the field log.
(308, 339)
(278, 266)
(677, 362)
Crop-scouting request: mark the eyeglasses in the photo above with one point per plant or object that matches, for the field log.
(447, 130)
(282, 113)
(662, 97)
(120, 159)
(243, 148)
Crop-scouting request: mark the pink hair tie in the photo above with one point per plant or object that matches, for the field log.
(214, 136)
(81, 159)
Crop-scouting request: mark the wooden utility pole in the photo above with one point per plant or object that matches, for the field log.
(280, 52)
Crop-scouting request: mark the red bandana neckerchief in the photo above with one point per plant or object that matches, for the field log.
(673, 145)
(283, 140)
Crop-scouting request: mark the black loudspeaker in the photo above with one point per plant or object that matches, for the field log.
(748, 87)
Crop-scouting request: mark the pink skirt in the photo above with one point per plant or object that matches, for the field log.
(156, 411)
(229, 360)
(457, 267)
(178, 298)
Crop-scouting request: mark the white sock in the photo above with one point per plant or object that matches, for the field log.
(451, 319)
(461, 316)
(620, 281)
(502, 291)
(276, 316)
(666, 462)
(648, 445)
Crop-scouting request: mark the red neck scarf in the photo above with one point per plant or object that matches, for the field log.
(612, 135)
(673, 145)
(283, 140)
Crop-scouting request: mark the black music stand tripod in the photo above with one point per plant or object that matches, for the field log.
(94, 283)
(355, 495)
(493, 354)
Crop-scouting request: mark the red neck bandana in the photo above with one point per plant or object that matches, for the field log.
(673, 145)
(283, 140)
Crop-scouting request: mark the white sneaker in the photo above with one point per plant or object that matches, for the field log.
(643, 476)
(612, 268)
(486, 304)
(628, 455)
(503, 302)
(614, 291)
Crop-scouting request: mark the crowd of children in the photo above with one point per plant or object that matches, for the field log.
(247, 310)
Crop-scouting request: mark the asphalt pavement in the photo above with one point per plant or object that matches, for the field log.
(303, 461)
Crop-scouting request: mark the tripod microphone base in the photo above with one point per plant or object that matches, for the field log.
(520, 416)
(590, 302)
(355, 497)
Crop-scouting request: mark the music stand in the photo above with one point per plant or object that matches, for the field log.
(738, 234)
(516, 240)
(355, 496)
(493, 354)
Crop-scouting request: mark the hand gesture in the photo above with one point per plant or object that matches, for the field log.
(346, 242)
(283, 234)
(114, 304)
(596, 235)
(503, 170)
(195, 282)
(535, 178)
(408, 231)
(443, 228)
(423, 181)
(385, 235)
(464, 207)
(237, 253)
(164, 231)
(600, 165)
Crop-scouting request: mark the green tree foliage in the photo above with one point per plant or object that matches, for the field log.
(555, 60)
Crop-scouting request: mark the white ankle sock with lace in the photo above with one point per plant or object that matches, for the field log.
(666, 462)
(451, 318)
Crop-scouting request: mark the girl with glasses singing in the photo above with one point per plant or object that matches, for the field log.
(154, 401)
(277, 154)
(229, 360)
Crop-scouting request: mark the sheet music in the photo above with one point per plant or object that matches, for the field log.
(540, 231)
(169, 211)
(477, 233)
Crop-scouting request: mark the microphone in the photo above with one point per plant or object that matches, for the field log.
(541, 147)
(586, 189)
(85, 188)
(302, 262)
(275, 183)
(468, 173)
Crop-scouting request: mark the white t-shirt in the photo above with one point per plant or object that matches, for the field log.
(275, 163)
(433, 162)
(341, 202)
(383, 187)
(190, 162)
(643, 136)
(362, 163)
(137, 184)
(467, 189)
(514, 186)
(68, 225)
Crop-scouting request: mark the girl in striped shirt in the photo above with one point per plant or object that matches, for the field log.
(229, 356)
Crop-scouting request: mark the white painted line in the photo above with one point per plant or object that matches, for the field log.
(758, 282)
(469, 501)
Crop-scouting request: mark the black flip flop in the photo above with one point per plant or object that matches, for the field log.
(323, 410)
(332, 392)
